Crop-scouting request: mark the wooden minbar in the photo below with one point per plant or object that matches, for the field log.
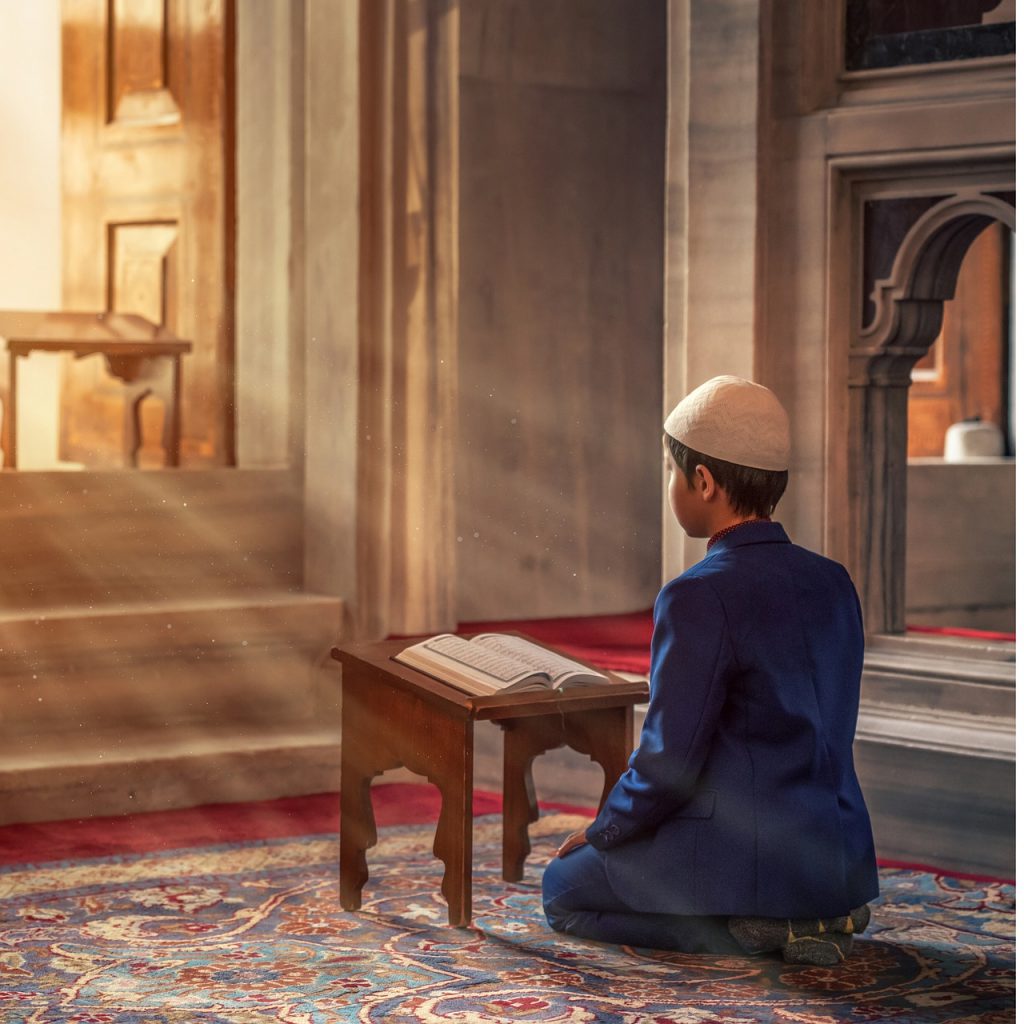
(394, 716)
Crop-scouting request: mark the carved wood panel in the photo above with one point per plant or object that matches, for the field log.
(148, 184)
(142, 270)
(141, 277)
(138, 64)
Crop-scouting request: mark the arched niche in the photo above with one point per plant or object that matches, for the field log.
(903, 310)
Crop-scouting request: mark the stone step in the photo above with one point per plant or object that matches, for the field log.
(135, 670)
(184, 768)
(946, 675)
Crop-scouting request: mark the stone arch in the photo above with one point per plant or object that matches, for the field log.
(908, 306)
(908, 303)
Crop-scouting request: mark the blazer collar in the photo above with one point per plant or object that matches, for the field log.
(751, 533)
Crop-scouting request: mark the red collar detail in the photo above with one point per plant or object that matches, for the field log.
(735, 526)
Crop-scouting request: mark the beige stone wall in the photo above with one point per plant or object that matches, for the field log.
(711, 209)
(30, 260)
(30, 182)
(269, 164)
(961, 520)
(328, 271)
(561, 305)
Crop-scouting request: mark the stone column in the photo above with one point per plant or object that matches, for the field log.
(408, 280)
(711, 207)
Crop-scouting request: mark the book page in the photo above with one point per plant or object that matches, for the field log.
(474, 670)
(560, 669)
(503, 666)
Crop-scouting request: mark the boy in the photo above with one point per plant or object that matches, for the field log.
(739, 825)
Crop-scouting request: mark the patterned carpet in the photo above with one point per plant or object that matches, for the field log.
(251, 931)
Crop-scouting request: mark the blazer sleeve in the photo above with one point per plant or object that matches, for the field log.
(690, 657)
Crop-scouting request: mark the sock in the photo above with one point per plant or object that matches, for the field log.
(765, 934)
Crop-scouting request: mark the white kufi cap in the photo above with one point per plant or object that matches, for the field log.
(734, 420)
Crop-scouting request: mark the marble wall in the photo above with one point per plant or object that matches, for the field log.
(30, 257)
(327, 270)
(558, 466)
(711, 209)
(961, 522)
(30, 183)
(269, 171)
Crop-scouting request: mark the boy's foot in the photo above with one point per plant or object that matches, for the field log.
(811, 940)
(825, 950)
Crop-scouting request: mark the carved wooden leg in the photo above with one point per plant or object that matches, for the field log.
(525, 738)
(358, 834)
(133, 399)
(361, 760)
(167, 387)
(453, 841)
(11, 414)
(605, 736)
(383, 727)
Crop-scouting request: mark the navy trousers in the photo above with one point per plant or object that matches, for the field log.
(579, 900)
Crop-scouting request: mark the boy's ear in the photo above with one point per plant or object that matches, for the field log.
(705, 483)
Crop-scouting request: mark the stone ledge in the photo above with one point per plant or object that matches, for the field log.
(139, 669)
(942, 732)
(69, 636)
(181, 771)
(937, 676)
(146, 706)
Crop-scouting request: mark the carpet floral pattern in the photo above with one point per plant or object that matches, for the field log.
(253, 932)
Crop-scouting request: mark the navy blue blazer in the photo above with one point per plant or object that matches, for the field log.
(741, 797)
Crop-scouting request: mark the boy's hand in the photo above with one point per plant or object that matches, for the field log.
(572, 842)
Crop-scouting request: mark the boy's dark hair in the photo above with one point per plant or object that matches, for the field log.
(751, 491)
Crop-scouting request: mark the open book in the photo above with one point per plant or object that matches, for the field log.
(496, 662)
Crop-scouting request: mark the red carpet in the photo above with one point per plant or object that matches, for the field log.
(397, 803)
(619, 643)
(623, 642)
(394, 803)
(969, 634)
(252, 931)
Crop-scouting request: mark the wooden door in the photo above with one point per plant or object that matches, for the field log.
(964, 372)
(148, 205)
